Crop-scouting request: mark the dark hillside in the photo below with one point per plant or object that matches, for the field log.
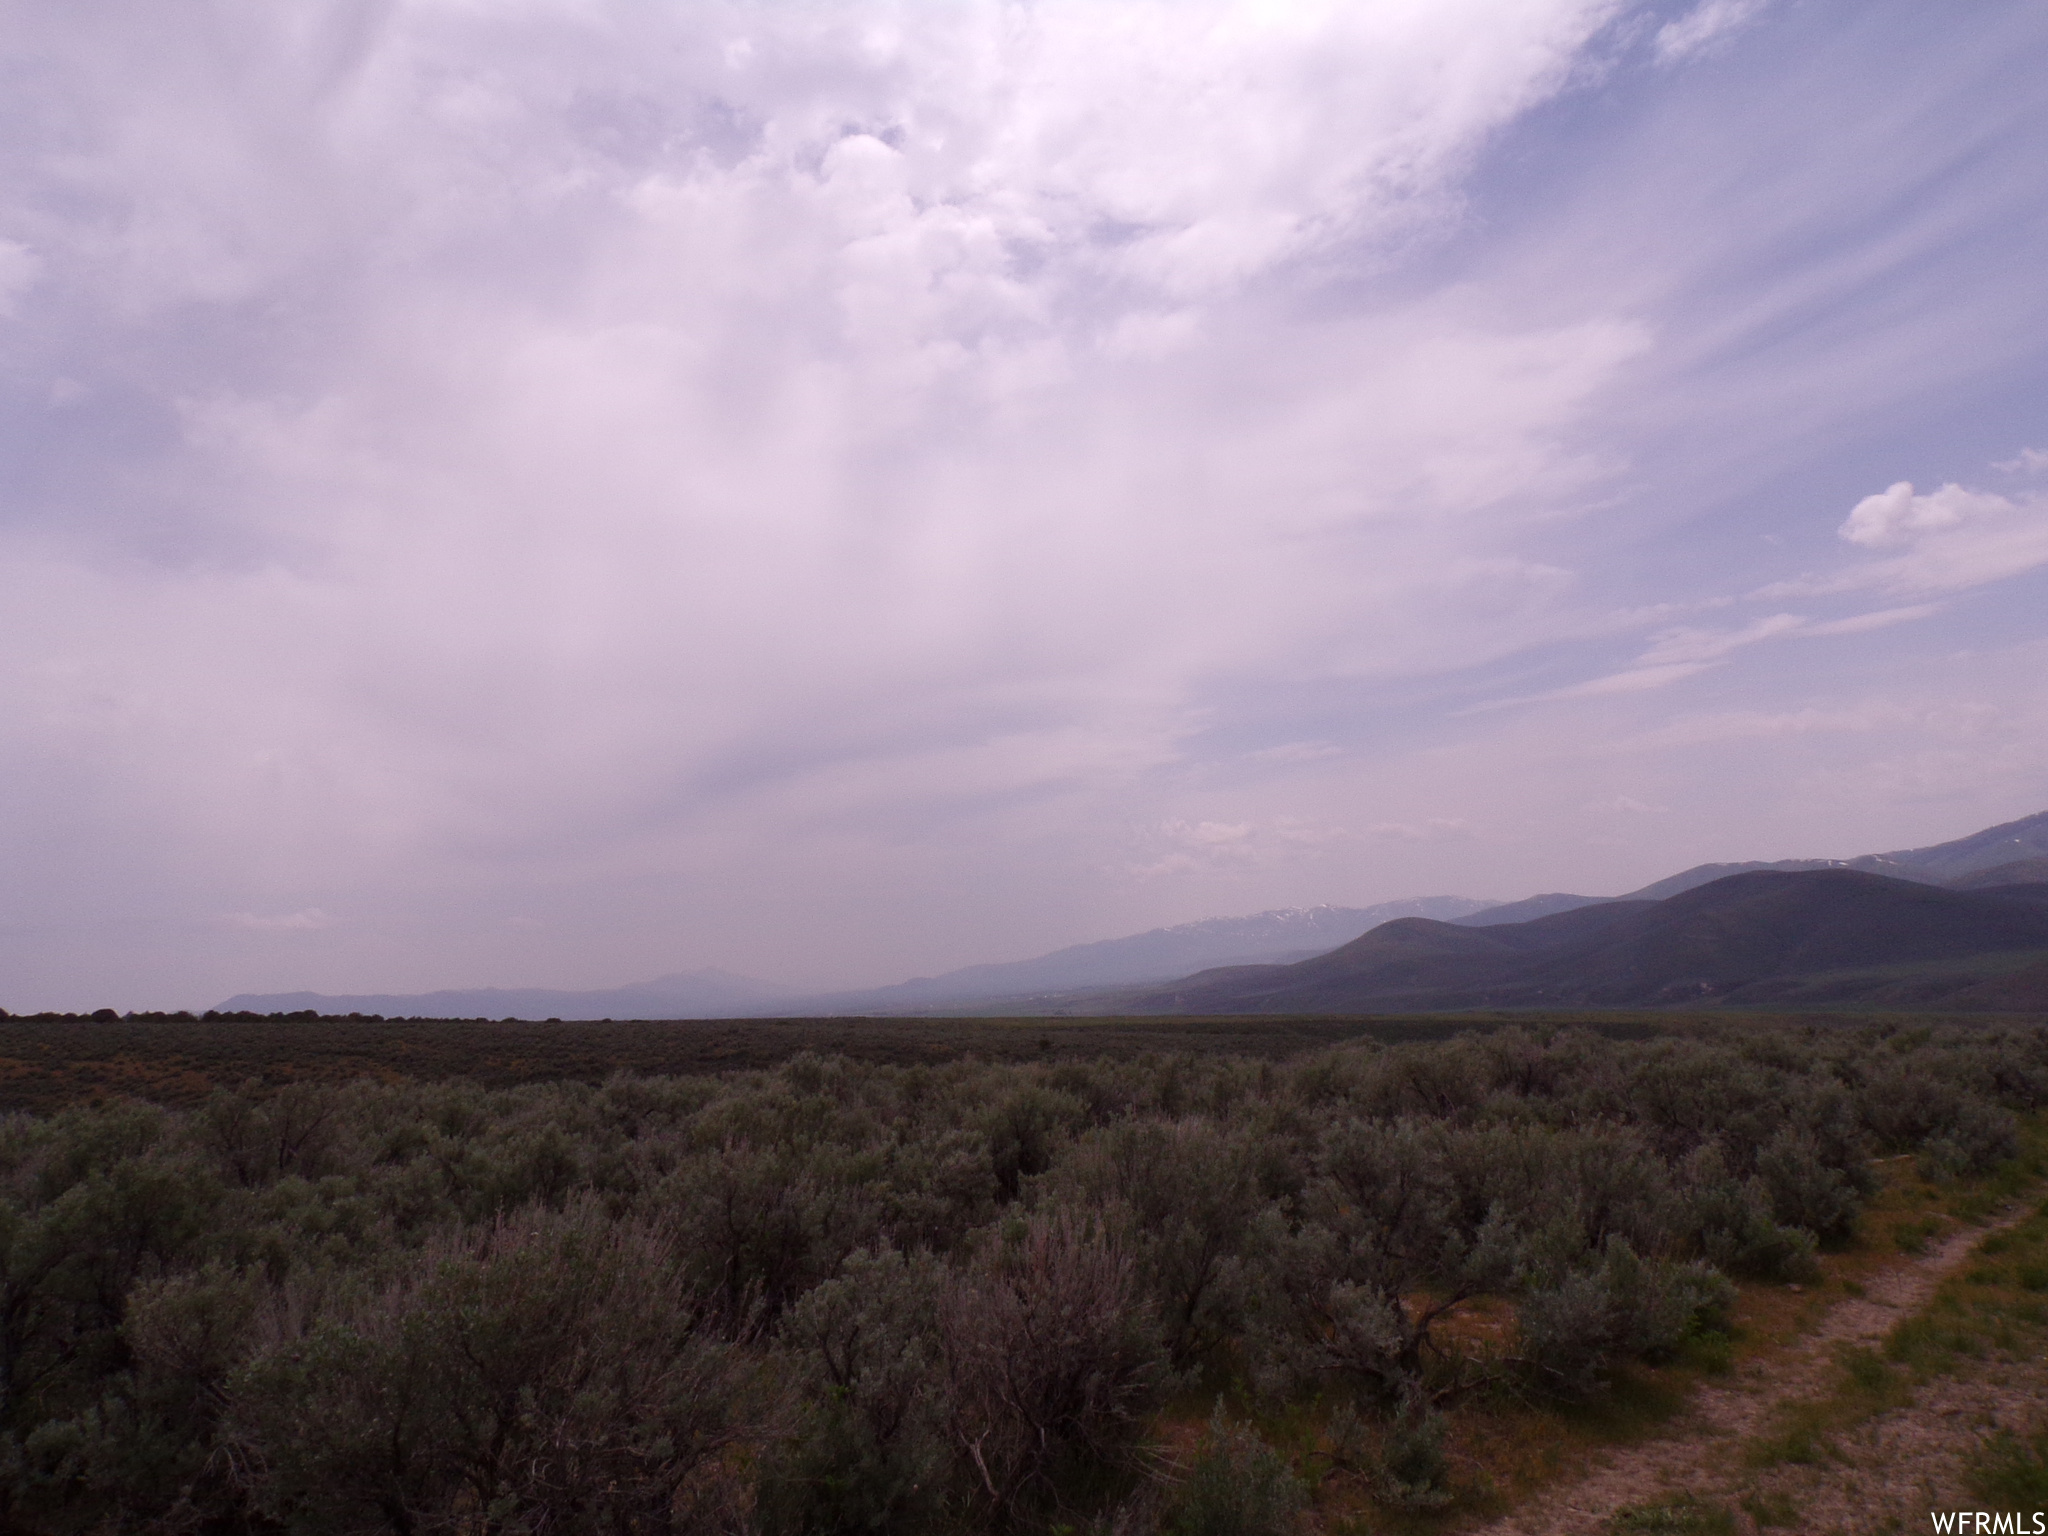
(1706, 943)
(1770, 924)
(1706, 874)
(2018, 872)
(1409, 958)
(2018, 848)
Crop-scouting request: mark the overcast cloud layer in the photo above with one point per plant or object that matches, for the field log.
(554, 492)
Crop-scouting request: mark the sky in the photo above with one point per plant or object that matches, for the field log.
(557, 492)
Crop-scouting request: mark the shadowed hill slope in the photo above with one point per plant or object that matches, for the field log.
(2019, 872)
(1715, 942)
(2019, 849)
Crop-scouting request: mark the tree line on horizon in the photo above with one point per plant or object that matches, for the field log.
(846, 1297)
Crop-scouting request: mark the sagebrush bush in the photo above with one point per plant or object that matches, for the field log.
(869, 1451)
(552, 1367)
(1236, 1485)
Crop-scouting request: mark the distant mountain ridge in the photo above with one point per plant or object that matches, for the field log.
(1160, 954)
(1279, 935)
(1827, 935)
(1081, 975)
(2020, 844)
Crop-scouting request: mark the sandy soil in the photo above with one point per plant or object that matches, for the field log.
(1884, 1475)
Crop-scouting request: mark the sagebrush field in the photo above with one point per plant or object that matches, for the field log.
(1188, 1290)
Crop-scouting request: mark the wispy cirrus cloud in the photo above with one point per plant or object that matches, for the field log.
(1674, 655)
(305, 921)
(1180, 847)
(1707, 26)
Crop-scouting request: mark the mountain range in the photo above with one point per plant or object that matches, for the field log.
(1666, 942)
(2001, 855)
(1161, 954)
(1783, 937)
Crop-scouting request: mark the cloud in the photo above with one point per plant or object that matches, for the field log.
(1676, 654)
(1297, 752)
(1952, 539)
(1198, 846)
(19, 269)
(1435, 830)
(683, 405)
(798, 483)
(1762, 725)
(1207, 847)
(286, 922)
(2028, 461)
(1881, 618)
(1690, 646)
(1708, 26)
(1896, 515)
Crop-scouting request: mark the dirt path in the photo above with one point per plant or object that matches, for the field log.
(1907, 1457)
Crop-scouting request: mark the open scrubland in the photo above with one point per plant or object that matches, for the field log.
(1206, 1278)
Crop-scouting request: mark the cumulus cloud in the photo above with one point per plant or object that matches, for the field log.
(1949, 540)
(1895, 515)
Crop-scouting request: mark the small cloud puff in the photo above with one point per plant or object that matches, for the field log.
(1436, 830)
(19, 268)
(1946, 540)
(1212, 845)
(282, 922)
(1896, 514)
(1297, 752)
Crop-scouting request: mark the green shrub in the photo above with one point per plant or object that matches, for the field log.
(1237, 1485)
(1866, 1370)
(1412, 1471)
(869, 1451)
(1574, 1332)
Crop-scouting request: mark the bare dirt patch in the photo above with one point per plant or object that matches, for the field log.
(1884, 1473)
